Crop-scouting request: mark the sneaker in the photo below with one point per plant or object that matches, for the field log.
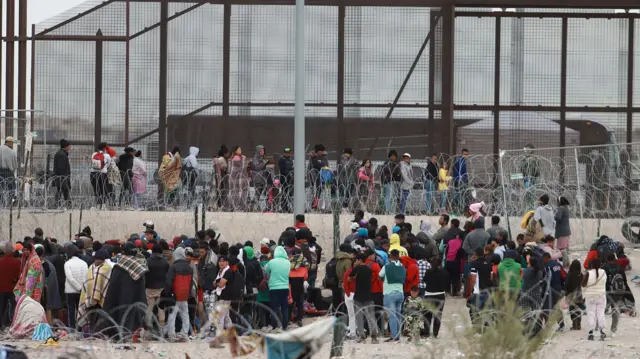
(391, 340)
(374, 340)
(590, 337)
(602, 336)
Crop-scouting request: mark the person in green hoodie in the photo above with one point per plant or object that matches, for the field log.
(264, 315)
(510, 275)
(278, 271)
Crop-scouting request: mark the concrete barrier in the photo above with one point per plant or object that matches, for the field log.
(240, 226)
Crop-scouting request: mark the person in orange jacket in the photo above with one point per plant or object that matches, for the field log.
(413, 275)
(376, 287)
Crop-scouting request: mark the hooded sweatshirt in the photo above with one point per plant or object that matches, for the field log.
(546, 217)
(259, 166)
(191, 161)
(478, 238)
(8, 158)
(180, 276)
(278, 270)
(343, 263)
(407, 176)
(413, 274)
(430, 246)
(509, 272)
(394, 243)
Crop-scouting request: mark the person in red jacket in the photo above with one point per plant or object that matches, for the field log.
(376, 288)
(10, 269)
(179, 282)
(413, 275)
(349, 287)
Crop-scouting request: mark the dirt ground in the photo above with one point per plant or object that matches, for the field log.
(567, 345)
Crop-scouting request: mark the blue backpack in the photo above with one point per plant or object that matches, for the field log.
(326, 176)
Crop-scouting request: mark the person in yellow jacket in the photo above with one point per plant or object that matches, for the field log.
(394, 243)
(444, 181)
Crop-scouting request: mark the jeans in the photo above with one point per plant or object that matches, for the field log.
(443, 201)
(181, 308)
(136, 201)
(389, 193)
(279, 299)
(459, 196)
(403, 200)
(430, 187)
(365, 310)
(7, 305)
(393, 303)
(73, 299)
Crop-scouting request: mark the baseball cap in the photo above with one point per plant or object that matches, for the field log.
(354, 226)
(407, 154)
(287, 150)
(265, 241)
(9, 139)
(395, 229)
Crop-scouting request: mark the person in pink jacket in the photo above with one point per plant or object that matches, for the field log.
(365, 183)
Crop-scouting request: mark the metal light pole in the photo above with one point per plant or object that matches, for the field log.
(299, 131)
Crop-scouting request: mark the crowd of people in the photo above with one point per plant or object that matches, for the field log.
(388, 281)
(407, 277)
(120, 180)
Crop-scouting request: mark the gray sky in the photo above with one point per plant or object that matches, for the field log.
(38, 11)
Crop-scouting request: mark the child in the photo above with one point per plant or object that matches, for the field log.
(263, 298)
(414, 306)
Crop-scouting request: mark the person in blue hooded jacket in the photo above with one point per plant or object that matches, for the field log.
(460, 181)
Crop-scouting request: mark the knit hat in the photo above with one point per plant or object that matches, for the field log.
(395, 229)
(265, 250)
(102, 254)
(363, 232)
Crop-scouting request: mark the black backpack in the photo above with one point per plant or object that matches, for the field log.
(331, 274)
(237, 286)
(618, 287)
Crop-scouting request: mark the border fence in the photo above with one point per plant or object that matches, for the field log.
(599, 181)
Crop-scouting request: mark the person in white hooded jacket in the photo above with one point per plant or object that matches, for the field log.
(545, 215)
(190, 168)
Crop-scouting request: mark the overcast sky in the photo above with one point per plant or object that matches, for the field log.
(38, 11)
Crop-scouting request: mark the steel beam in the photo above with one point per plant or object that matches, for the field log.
(581, 4)
(448, 46)
(98, 91)
(10, 66)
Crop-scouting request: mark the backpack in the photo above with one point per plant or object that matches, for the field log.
(237, 285)
(618, 286)
(606, 246)
(326, 176)
(331, 274)
(97, 161)
(379, 259)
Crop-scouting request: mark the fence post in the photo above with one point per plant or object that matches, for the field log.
(504, 193)
(195, 216)
(336, 210)
(580, 197)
